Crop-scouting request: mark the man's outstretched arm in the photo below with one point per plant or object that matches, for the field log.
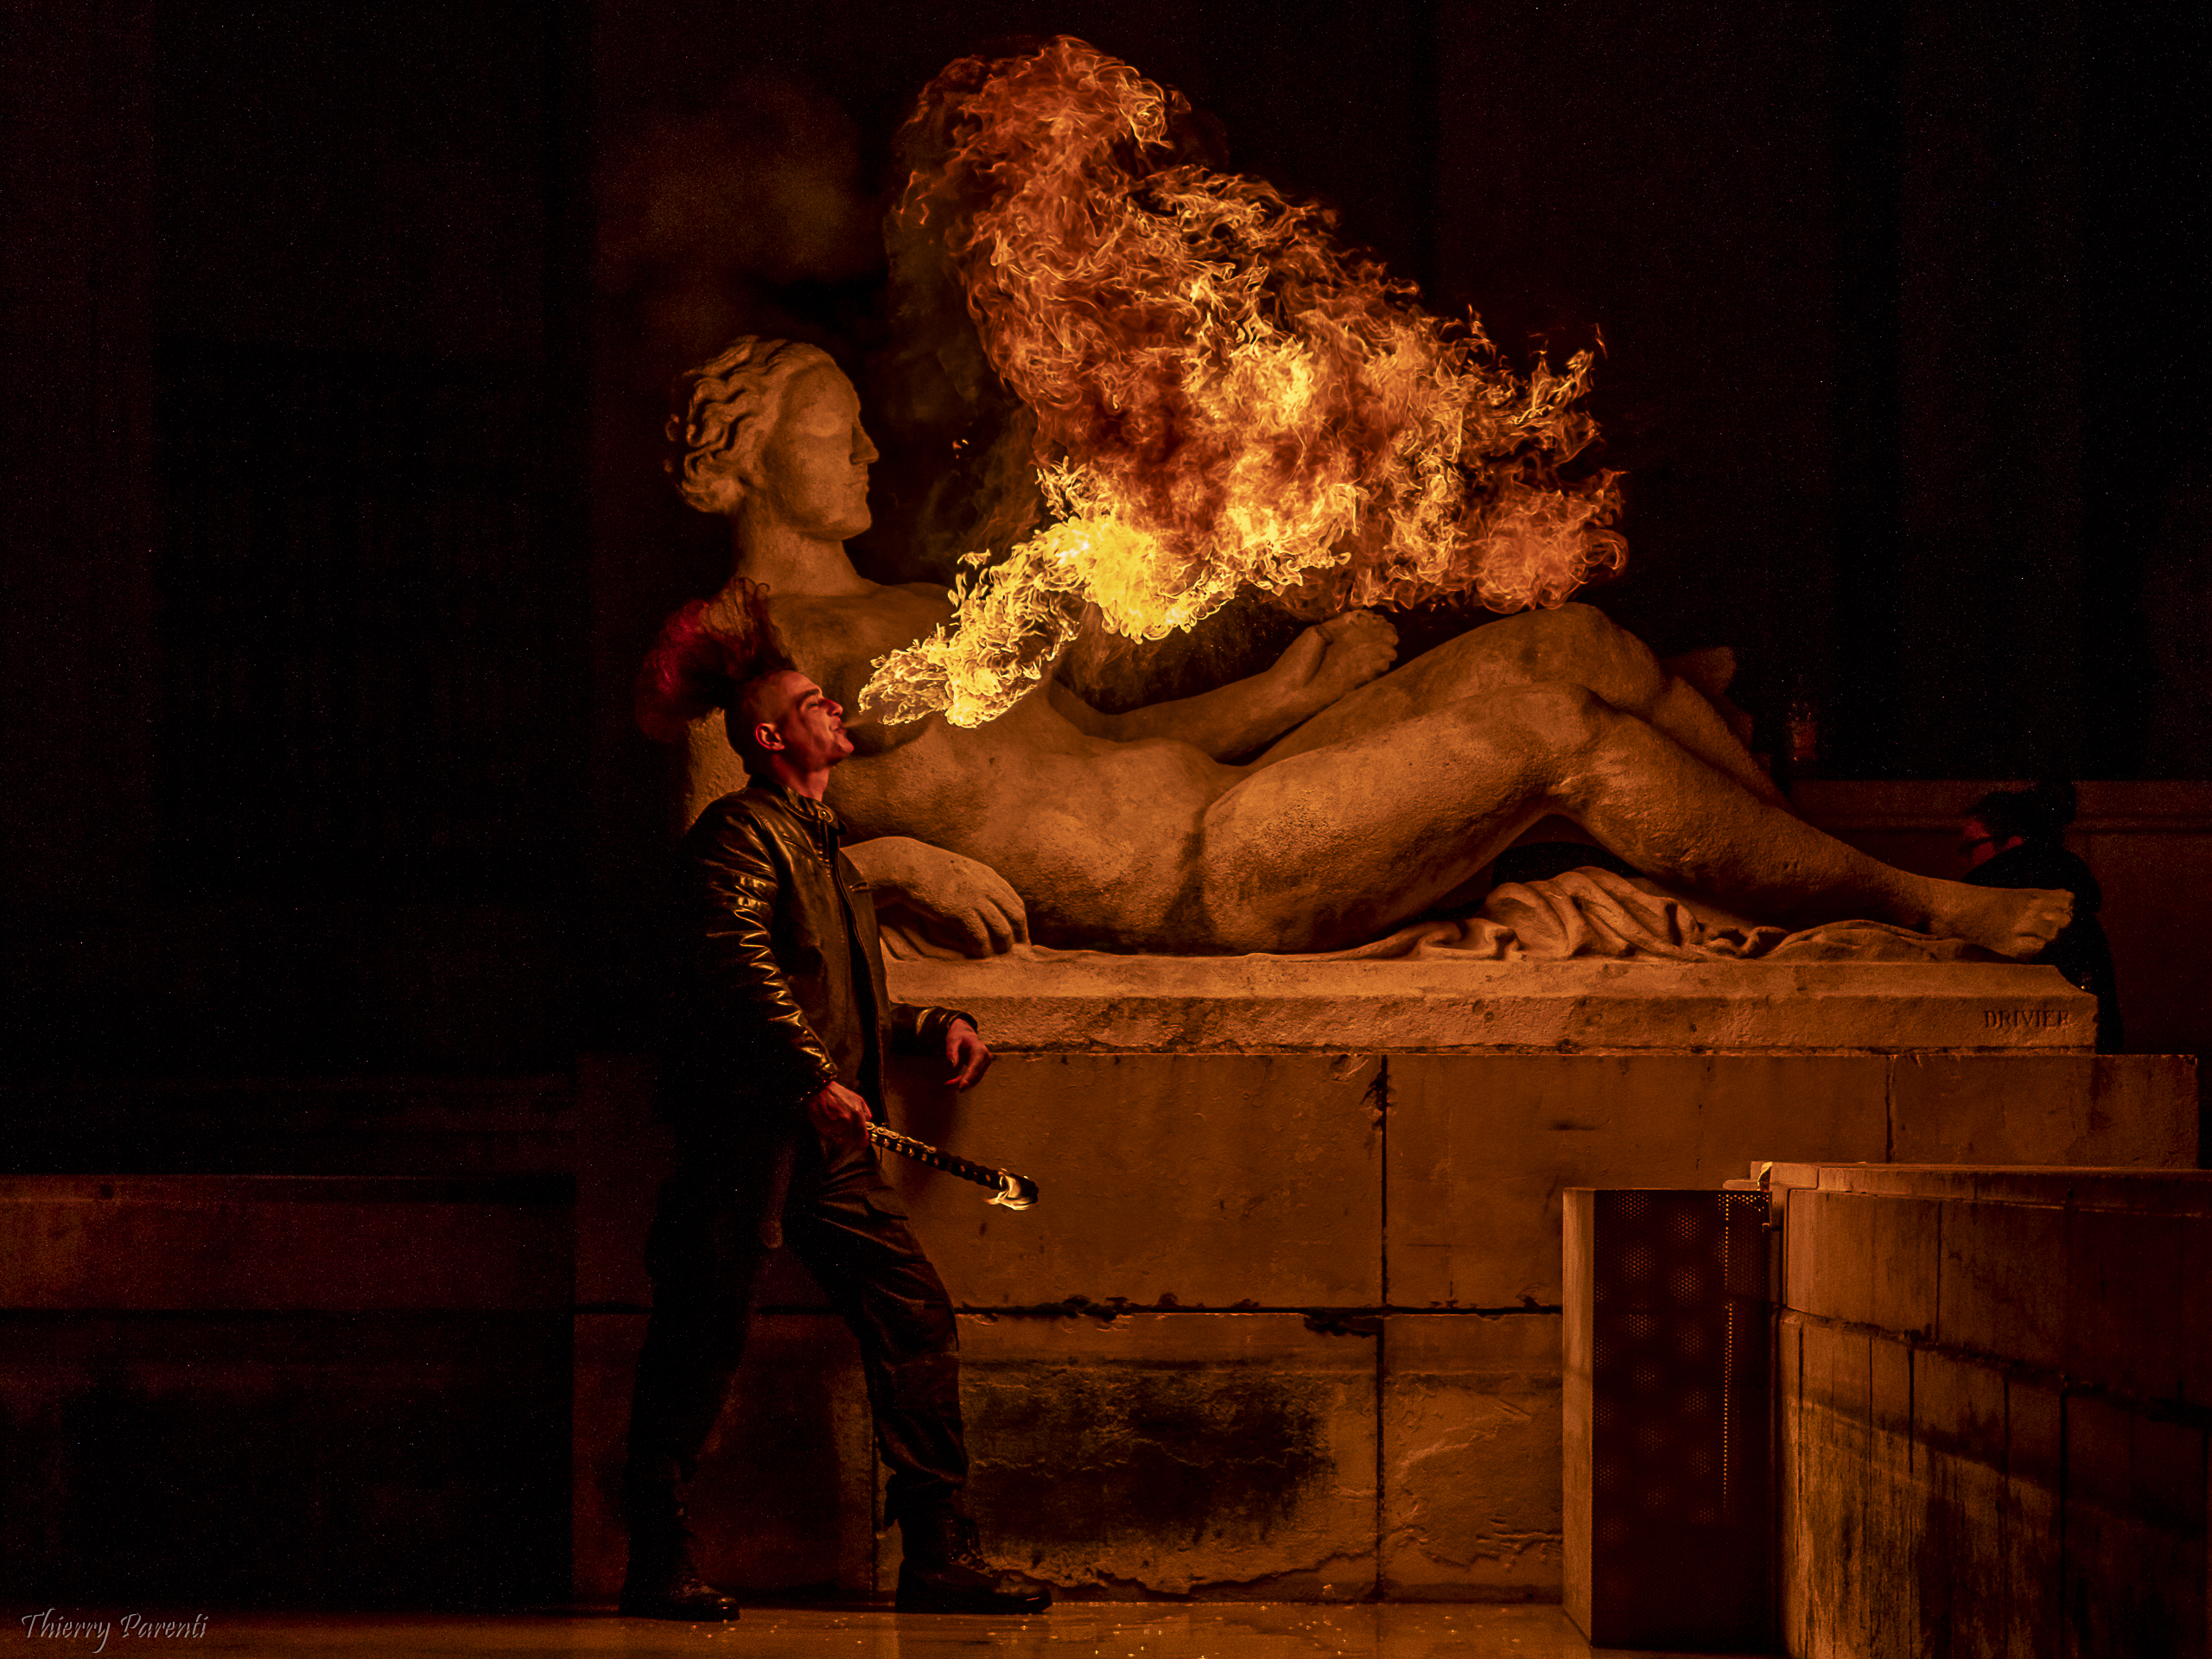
(1322, 663)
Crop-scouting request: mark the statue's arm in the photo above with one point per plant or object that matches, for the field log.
(956, 901)
(1322, 663)
(1236, 719)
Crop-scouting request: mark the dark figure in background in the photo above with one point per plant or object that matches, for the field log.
(2015, 838)
(774, 1076)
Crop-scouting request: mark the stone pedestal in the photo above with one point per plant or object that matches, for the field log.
(1287, 1319)
(1303, 1291)
(1086, 1002)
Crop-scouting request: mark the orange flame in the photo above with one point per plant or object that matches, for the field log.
(1225, 397)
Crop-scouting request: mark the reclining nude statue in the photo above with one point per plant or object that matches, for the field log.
(1308, 808)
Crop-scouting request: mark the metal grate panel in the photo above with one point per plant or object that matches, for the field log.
(1681, 1442)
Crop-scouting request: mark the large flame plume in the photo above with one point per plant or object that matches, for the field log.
(1224, 398)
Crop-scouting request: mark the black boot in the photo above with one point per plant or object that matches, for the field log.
(664, 1579)
(943, 1572)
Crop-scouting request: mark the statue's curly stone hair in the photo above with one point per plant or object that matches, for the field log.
(719, 406)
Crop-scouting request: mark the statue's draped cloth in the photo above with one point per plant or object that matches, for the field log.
(1595, 914)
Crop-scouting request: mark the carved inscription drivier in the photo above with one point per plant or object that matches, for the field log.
(2024, 1018)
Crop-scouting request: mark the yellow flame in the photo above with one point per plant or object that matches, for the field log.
(1224, 398)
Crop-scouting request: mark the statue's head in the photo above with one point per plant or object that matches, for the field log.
(772, 426)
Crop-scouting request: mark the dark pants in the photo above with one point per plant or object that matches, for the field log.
(705, 1254)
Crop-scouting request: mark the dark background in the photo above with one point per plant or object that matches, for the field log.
(336, 338)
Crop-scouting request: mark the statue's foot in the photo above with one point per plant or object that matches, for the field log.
(2017, 922)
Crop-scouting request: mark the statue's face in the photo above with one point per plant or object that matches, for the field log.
(812, 473)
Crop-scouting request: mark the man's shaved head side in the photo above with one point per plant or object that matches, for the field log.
(762, 697)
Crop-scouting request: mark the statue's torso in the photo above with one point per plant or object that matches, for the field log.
(1094, 834)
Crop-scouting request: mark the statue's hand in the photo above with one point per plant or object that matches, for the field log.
(1337, 657)
(952, 901)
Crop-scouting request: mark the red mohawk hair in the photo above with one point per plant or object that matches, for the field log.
(706, 653)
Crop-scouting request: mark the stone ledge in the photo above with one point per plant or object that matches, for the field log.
(2128, 1188)
(285, 1243)
(1186, 1004)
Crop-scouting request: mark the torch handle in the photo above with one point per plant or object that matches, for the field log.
(1014, 1192)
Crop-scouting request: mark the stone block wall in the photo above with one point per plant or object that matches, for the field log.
(1994, 1398)
(1303, 1300)
(1283, 1323)
(1210, 1454)
(230, 1390)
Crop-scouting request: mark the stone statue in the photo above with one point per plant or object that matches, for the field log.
(1308, 808)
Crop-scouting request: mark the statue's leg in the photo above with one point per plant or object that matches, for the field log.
(1575, 644)
(1331, 847)
(1324, 848)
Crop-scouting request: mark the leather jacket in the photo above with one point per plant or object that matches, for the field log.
(786, 988)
